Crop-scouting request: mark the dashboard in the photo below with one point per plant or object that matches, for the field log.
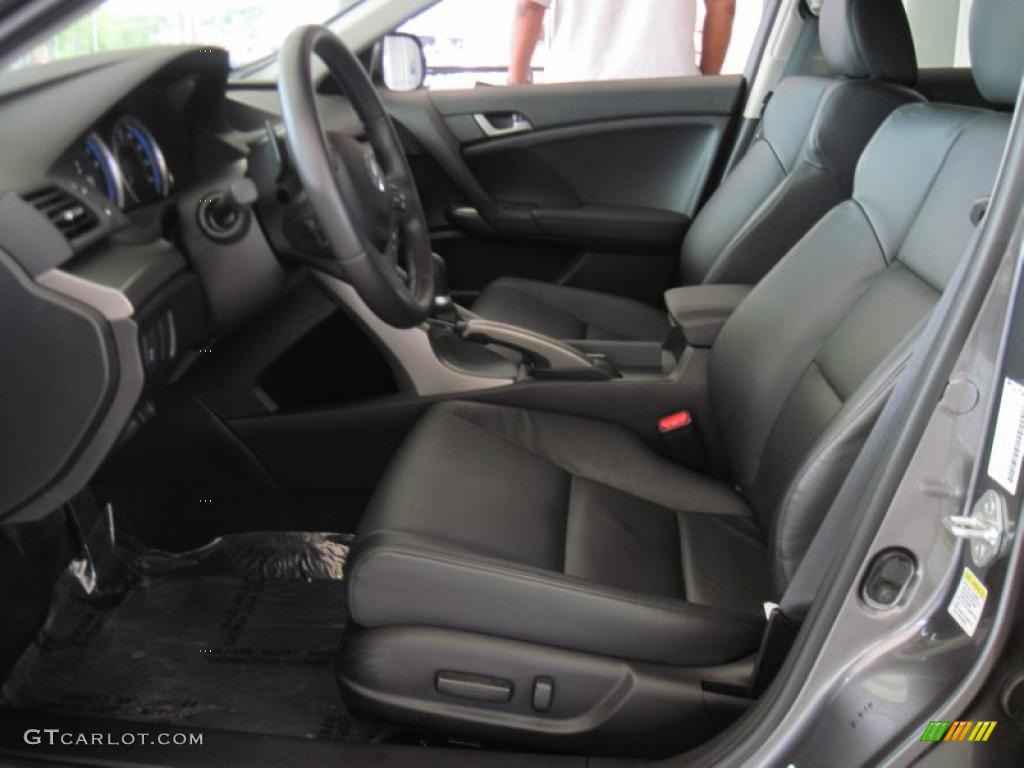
(120, 260)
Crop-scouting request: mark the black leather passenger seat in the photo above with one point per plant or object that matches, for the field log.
(544, 551)
(800, 164)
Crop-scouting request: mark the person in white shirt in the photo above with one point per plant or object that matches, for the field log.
(618, 39)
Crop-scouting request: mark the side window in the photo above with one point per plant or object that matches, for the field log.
(940, 30)
(468, 43)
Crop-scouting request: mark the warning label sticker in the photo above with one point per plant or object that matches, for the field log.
(1008, 441)
(968, 602)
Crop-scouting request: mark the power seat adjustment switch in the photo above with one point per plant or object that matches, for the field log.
(543, 693)
(461, 685)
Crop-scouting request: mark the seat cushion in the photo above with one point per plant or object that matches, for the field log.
(561, 531)
(570, 313)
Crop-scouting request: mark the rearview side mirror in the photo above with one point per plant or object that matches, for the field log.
(403, 65)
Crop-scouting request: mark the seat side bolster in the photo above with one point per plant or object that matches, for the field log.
(816, 484)
(402, 580)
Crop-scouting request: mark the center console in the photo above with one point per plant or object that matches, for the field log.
(477, 346)
(643, 385)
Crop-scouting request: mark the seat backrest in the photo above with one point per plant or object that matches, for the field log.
(802, 161)
(800, 372)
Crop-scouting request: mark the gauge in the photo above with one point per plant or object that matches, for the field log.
(143, 168)
(95, 164)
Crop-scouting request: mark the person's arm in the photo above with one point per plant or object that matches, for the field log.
(717, 32)
(525, 33)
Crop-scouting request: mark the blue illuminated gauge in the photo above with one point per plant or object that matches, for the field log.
(143, 168)
(95, 164)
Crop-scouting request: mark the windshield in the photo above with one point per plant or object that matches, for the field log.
(249, 29)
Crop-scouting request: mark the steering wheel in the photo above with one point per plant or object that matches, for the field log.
(363, 195)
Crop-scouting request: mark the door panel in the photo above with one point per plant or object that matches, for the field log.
(639, 167)
(550, 106)
(590, 184)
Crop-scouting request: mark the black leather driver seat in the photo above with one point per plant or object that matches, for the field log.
(799, 166)
(551, 579)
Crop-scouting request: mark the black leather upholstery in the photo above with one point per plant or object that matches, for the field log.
(868, 38)
(800, 165)
(840, 306)
(563, 532)
(559, 531)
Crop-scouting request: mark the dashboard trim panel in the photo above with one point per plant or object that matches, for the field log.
(113, 409)
(109, 302)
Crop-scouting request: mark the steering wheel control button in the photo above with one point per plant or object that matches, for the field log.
(461, 685)
(543, 693)
(889, 578)
(399, 201)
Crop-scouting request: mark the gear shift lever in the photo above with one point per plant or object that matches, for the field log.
(444, 308)
(442, 299)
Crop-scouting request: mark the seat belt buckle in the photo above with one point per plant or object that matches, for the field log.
(682, 440)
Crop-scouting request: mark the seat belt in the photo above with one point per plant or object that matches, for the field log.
(784, 619)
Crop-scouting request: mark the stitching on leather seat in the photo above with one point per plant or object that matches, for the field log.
(550, 460)
(678, 608)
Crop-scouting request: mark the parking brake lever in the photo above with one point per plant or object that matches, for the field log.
(549, 358)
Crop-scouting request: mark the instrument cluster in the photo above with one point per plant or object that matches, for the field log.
(128, 166)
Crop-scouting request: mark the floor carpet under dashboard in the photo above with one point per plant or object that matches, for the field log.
(240, 635)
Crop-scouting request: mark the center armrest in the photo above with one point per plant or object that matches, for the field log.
(700, 311)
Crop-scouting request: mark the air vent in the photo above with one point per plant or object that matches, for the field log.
(72, 217)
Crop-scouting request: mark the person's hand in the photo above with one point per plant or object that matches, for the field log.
(526, 32)
(717, 33)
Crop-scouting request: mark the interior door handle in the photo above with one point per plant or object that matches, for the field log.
(502, 123)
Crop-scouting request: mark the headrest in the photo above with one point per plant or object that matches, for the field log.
(868, 38)
(997, 48)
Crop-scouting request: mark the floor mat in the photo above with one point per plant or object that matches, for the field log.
(240, 635)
